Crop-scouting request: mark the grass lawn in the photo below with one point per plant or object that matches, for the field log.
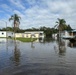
(2, 37)
(26, 39)
(23, 39)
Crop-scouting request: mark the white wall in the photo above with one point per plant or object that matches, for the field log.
(9, 34)
(2, 34)
(65, 34)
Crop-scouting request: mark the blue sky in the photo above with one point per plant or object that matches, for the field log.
(37, 13)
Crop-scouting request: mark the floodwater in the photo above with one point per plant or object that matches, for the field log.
(49, 57)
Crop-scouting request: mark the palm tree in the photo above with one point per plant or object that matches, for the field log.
(16, 22)
(60, 24)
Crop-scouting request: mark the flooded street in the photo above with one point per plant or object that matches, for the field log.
(38, 58)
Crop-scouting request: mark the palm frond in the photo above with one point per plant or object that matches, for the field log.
(57, 22)
(55, 25)
(16, 20)
(12, 17)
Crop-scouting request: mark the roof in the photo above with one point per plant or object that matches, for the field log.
(73, 30)
(5, 31)
(33, 32)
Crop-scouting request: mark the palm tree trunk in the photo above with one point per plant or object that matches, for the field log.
(14, 31)
(59, 33)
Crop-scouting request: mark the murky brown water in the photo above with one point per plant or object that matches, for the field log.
(46, 58)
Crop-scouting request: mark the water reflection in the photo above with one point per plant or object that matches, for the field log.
(41, 61)
(16, 55)
(46, 40)
(7, 44)
(61, 47)
(32, 45)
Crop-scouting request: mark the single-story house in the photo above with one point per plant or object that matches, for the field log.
(34, 34)
(31, 34)
(68, 34)
(6, 34)
(65, 34)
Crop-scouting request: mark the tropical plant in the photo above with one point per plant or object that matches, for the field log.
(16, 22)
(61, 24)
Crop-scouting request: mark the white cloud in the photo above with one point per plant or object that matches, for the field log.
(19, 13)
(45, 12)
(5, 7)
(31, 2)
(47, 16)
(17, 3)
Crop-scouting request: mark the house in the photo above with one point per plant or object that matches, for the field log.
(31, 34)
(68, 34)
(6, 34)
(65, 34)
(34, 34)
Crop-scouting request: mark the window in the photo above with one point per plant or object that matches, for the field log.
(2, 33)
(41, 34)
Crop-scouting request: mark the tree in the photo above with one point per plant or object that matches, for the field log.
(47, 31)
(16, 22)
(61, 25)
(69, 27)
